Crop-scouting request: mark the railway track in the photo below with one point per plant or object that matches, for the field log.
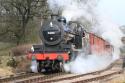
(61, 77)
(29, 77)
(83, 78)
(57, 77)
(17, 76)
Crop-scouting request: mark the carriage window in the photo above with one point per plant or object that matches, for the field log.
(107, 46)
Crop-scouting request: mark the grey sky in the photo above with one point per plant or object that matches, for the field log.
(114, 9)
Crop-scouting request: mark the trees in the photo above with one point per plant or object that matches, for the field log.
(16, 14)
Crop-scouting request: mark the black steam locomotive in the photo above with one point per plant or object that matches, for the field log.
(59, 38)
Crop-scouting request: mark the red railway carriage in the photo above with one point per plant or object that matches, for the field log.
(99, 46)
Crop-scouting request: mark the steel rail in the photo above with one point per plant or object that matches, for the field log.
(94, 78)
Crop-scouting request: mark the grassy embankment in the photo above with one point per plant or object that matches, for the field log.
(32, 37)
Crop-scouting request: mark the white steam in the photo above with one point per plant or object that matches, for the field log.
(88, 63)
(110, 32)
(34, 66)
(74, 9)
(86, 12)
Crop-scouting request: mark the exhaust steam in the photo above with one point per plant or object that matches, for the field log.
(87, 13)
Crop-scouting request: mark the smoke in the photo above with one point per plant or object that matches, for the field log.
(86, 12)
(34, 66)
(88, 63)
(110, 32)
(73, 9)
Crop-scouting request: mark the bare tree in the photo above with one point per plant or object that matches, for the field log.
(18, 13)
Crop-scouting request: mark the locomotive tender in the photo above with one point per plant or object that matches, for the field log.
(61, 42)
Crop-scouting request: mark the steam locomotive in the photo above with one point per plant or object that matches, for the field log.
(58, 39)
(61, 41)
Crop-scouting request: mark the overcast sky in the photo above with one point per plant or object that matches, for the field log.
(114, 9)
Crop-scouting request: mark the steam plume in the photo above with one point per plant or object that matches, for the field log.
(86, 12)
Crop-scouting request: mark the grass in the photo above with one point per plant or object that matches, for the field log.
(4, 57)
(5, 53)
